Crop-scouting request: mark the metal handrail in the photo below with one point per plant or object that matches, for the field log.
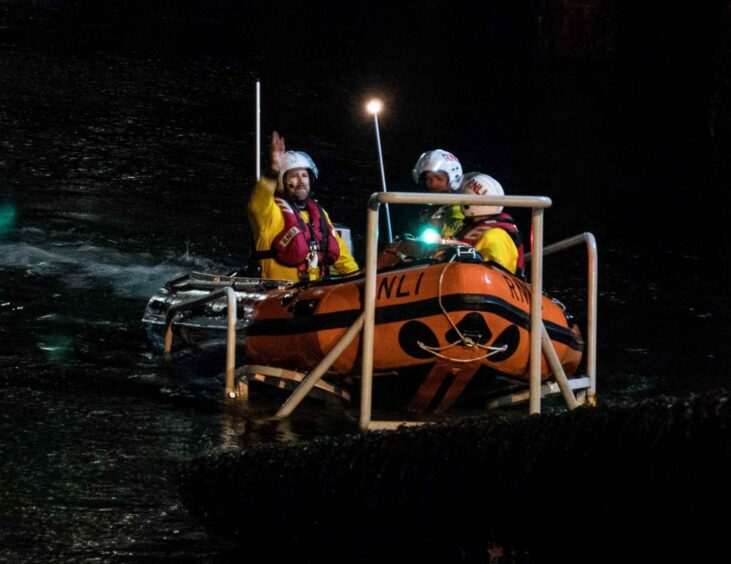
(312, 378)
(230, 294)
(591, 298)
(188, 304)
(537, 205)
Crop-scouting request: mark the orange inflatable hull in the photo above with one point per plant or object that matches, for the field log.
(453, 312)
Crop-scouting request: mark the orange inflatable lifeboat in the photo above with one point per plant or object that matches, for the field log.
(451, 311)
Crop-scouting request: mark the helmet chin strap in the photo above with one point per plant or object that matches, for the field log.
(300, 205)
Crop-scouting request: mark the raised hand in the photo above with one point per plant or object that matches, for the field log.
(277, 151)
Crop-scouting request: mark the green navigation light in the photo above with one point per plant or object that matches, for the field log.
(430, 235)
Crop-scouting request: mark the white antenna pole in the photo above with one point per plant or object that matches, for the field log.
(375, 106)
(258, 130)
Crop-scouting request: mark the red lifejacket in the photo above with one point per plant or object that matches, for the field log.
(472, 232)
(292, 244)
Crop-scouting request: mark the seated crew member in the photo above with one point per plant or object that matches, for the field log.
(439, 171)
(293, 236)
(492, 232)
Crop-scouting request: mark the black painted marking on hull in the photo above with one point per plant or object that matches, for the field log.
(413, 332)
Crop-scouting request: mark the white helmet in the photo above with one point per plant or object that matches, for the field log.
(481, 185)
(439, 160)
(297, 159)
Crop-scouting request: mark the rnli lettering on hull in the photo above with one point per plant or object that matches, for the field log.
(402, 290)
(519, 290)
(397, 286)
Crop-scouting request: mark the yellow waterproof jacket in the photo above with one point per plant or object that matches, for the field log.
(448, 220)
(266, 221)
(497, 245)
(451, 220)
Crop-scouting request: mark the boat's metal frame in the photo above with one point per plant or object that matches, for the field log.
(237, 380)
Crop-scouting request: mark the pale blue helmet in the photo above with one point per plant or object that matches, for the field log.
(297, 159)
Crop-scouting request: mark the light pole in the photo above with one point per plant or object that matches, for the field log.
(374, 106)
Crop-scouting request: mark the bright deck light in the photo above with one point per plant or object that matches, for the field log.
(430, 235)
(374, 106)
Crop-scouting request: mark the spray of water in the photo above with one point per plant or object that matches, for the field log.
(80, 264)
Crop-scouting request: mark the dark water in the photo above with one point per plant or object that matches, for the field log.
(121, 168)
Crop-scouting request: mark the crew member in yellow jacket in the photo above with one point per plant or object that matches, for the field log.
(294, 237)
(487, 228)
